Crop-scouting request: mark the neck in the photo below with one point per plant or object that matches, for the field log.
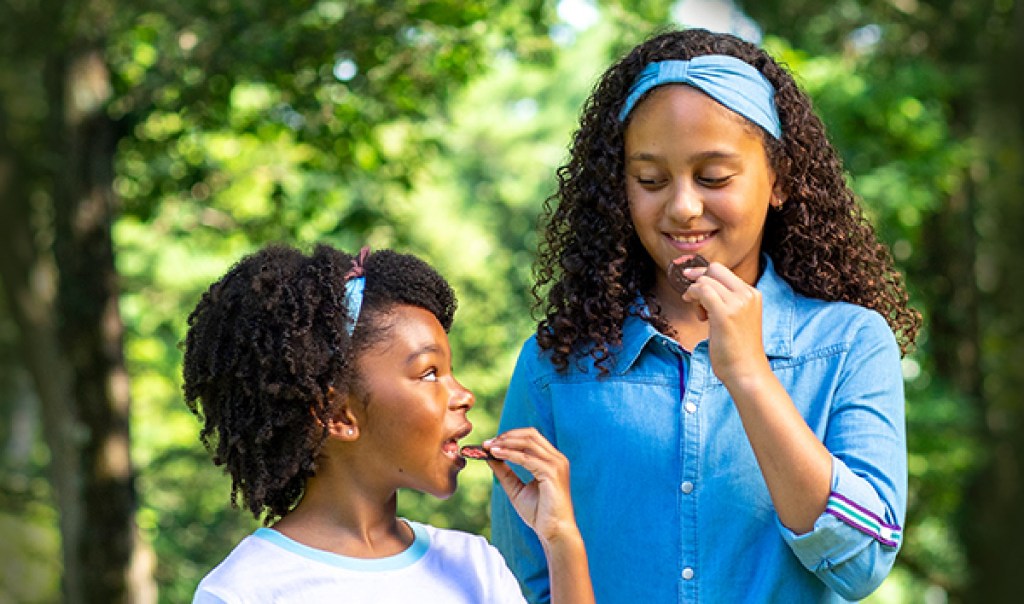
(684, 317)
(338, 516)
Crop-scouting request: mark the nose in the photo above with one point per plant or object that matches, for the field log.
(685, 202)
(462, 398)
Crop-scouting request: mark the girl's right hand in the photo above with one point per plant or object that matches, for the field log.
(732, 308)
(545, 503)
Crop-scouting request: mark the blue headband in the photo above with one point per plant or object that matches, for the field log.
(355, 285)
(732, 82)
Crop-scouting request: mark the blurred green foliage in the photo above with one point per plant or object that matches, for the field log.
(434, 128)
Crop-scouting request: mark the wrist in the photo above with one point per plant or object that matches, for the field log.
(561, 536)
(752, 378)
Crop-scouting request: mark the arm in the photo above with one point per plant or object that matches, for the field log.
(796, 466)
(854, 543)
(545, 504)
(839, 502)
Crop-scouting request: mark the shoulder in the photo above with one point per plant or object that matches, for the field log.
(533, 363)
(471, 563)
(813, 323)
(453, 539)
(840, 321)
(244, 567)
(469, 548)
(853, 336)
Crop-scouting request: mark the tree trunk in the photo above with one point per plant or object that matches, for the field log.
(30, 283)
(91, 332)
(992, 525)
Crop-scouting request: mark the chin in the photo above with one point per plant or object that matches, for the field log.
(444, 494)
(446, 490)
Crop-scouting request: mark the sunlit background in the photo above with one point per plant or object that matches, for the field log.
(146, 146)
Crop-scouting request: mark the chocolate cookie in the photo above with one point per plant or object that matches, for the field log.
(475, 452)
(676, 279)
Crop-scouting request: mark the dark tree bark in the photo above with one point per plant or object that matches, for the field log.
(57, 265)
(29, 282)
(992, 526)
(91, 331)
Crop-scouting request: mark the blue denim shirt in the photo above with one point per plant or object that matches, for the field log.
(667, 492)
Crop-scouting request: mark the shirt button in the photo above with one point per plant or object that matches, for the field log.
(687, 573)
(690, 407)
(687, 487)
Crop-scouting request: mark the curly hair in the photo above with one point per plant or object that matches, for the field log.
(266, 345)
(591, 264)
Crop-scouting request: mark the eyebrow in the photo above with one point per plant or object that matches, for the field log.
(421, 351)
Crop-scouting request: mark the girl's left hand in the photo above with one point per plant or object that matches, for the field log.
(732, 308)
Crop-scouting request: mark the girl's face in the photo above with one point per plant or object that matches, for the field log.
(415, 410)
(698, 181)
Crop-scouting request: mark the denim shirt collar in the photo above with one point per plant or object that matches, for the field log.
(778, 304)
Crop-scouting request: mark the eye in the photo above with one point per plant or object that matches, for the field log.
(649, 182)
(714, 181)
(430, 375)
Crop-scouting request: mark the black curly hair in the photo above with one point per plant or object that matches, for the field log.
(591, 264)
(267, 343)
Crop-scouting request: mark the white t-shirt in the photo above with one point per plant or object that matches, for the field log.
(441, 565)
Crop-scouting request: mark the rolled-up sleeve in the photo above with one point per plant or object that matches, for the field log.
(854, 542)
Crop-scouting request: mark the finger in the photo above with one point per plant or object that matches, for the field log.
(518, 447)
(528, 449)
(709, 294)
(506, 478)
(695, 272)
(524, 439)
(724, 275)
(535, 460)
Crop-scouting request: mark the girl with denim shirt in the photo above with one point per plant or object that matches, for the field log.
(743, 441)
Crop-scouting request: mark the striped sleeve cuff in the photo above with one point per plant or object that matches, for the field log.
(864, 520)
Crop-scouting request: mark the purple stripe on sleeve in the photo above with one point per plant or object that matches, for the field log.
(864, 511)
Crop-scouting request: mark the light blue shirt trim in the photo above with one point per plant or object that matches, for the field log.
(412, 554)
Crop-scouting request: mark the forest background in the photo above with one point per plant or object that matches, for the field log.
(146, 145)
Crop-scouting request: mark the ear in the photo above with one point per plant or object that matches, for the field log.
(344, 425)
(778, 196)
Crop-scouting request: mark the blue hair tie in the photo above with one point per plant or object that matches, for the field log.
(355, 285)
(732, 82)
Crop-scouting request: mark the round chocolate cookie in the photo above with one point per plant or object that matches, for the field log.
(676, 279)
(475, 452)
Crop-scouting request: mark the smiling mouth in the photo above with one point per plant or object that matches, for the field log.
(690, 239)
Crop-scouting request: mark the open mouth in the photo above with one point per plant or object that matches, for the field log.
(451, 449)
(451, 446)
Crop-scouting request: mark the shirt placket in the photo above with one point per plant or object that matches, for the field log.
(690, 386)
